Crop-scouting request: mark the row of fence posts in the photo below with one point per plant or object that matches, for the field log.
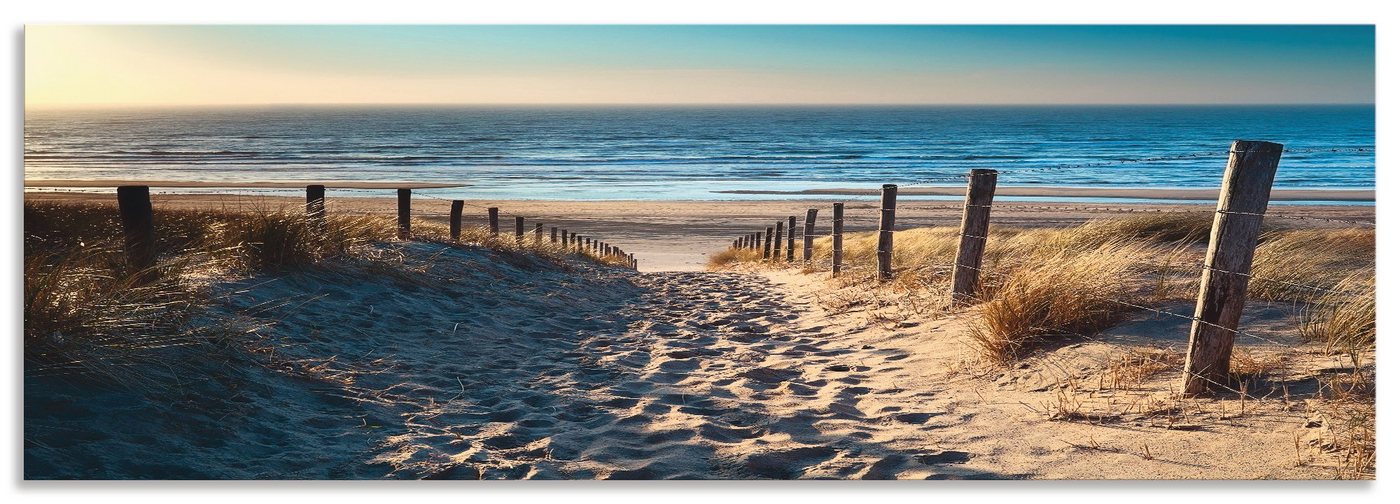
(138, 226)
(1244, 196)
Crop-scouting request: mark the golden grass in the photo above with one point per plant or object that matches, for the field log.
(1345, 317)
(1296, 265)
(1068, 293)
(85, 309)
(1040, 282)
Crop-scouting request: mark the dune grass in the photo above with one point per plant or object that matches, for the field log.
(87, 312)
(1041, 283)
(1344, 318)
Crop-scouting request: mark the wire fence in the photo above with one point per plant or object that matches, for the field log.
(1240, 211)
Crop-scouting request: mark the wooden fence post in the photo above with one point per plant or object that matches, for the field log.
(976, 221)
(809, 231)
(1244, 196)
(138, 226)
(884, 254)
(553, 235)
(768, 243)
(454, 223)
(519, 230)
(539, 233)
(838, 212)
(316, 206)
(405, 210)
(792, 237)
(778, 241)
(493, 220)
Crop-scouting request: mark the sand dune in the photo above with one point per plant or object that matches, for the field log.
(465, 364)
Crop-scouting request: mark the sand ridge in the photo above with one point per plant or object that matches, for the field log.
(462, 363)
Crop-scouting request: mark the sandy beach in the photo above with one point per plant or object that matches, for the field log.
(679, 235)
(1102, 192)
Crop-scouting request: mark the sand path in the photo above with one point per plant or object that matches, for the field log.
(703, 375)
(467, 364)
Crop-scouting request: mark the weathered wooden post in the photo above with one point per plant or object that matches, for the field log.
(768, 243)
(838, 211)
(587, 244)
(553, 235)
(809, 232)
(493, 220)
(976, 222)
(1244, 196)
(405, 210)
(454, 222)
(519, 230)
(316, 206)
(139, 229)
(884, 253)
(792, 237)
(539, 233)
(778, 240)
(573, 238)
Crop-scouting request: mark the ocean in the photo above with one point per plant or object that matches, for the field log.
(698, 153)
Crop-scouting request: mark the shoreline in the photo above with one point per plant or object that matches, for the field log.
(680, 235)
(101, 184)
(1091, 192)
(1048, 193)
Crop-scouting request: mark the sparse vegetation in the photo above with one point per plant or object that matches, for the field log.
(86, 312)
(1344, 317)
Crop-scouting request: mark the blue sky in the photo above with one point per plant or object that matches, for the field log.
(183, 65)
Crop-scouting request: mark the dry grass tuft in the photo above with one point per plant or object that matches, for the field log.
(1299, 264)
(1061, 294)
(733, 256)
(1344, 318)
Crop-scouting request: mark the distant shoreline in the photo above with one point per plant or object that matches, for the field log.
(1361, 196)
(84, 183)
(1094, 192)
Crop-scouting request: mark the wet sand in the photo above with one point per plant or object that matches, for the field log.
(1208, 195)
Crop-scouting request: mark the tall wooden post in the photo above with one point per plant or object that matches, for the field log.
(768, 243)
(884, 253)
(539, 233)
(1244, 196)
(553, 235)
(316, 206)
(519, 230)
(838, 212)
(405, 211)
(139, 229)
(809, 232)
(493, 222)
(976, 221)
(454, 223)
(778, 241)
(792, 237)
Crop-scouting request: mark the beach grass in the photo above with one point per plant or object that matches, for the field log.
(88, 312)
(1041, 284)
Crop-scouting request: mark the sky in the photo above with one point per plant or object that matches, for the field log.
(88, 66)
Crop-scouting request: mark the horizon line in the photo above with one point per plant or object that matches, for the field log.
(28, 107)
